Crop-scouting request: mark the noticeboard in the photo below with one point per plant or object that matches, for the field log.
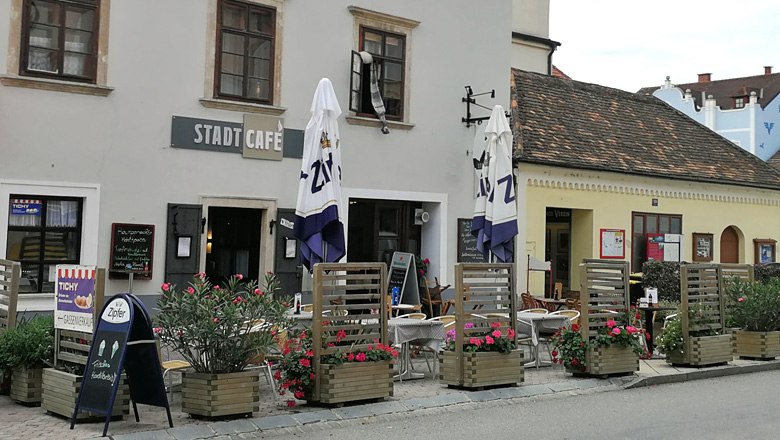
(613, 243)
(467, 244)
(132, 251)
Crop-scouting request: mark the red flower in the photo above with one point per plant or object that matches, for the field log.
(239, 276)
(304, 362)
(575, 362)
(298, 394)
(350, 357)
(216, 320)
(575, 327)
(341, 334)
(309, 353)
(237, 300)
(165, 287)
(278, 375)
(741, 299)
(290, 403)
(360, 357)
(258, 292)
(554, 353)
(311, 376)
(190, 290)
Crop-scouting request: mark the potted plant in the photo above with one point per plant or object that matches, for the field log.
(218, 329)
(488, 358)
(615, 349)
(755, 312)
(347, 375)
(697, 347)
(25, 350)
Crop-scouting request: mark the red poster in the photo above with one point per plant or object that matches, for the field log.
(655, 247)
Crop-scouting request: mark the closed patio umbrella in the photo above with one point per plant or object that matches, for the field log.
(495, 214)
(318, 214)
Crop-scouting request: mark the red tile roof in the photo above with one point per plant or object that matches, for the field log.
(573, 124)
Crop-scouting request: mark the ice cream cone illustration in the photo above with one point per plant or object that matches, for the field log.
(114, 348)
(102, 347)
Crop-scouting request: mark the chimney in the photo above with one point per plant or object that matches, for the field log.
(767, 70)
(704, 77)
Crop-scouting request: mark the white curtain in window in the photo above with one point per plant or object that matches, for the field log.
(61, 213)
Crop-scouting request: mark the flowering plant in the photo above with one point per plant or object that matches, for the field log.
(493, 339)
(295, 369)
(421, 264)
(754, 306)
(671, 340)
(219, 328)
(570, 347)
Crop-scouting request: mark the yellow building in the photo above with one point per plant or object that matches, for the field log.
(603, 173)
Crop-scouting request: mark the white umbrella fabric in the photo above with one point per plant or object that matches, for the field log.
(495, 214)
(318, 214)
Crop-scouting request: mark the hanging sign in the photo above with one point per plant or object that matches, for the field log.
(74, 297)
(403, 274)
(123, 340)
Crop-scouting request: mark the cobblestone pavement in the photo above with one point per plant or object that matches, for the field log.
(20, 422)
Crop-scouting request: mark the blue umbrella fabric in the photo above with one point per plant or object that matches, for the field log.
(318, 215)
(495, 214)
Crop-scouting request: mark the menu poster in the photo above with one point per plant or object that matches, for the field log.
(132, 251)
(613, 243)
(74, 297)
(655, 247)
(467, 244)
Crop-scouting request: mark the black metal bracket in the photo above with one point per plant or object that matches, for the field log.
(469, 100)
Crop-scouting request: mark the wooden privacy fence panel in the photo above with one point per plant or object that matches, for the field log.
(10, 274)
(486, 290)
(701, 287)
(349, 310)
(745, 272)
(603, 291)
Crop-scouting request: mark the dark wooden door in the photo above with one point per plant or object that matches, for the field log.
(729, 246)
(185, 222)
(287, 264)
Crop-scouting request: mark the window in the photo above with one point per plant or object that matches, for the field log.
(388, 50)
(43, 232)
(245, 52)
(643, 224)
(739, 102)
(59, 39)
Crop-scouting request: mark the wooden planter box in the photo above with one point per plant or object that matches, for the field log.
(217, 395)
(354, 381)
(61, 390)
(756, 345)
(703, 350)
(603, 361)
(481, 369)
(27, 385)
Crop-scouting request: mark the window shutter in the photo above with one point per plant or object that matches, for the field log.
(355, 82)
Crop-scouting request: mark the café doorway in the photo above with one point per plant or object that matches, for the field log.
(377, 228)
(233, 243)
(557, 246)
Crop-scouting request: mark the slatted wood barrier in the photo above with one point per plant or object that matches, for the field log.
(10, 274)
(603, 290)
(488, 291)
(745, 272)
(701, 292)
(349, 297)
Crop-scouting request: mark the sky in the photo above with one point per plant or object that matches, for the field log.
(630, 44)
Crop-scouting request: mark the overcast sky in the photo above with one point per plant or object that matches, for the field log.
(629, 44)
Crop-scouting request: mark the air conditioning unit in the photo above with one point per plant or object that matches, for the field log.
(421, 216)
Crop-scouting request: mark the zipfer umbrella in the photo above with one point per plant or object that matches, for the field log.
(495, 214)
(318, 214)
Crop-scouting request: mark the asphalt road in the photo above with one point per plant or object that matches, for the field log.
(733, 407)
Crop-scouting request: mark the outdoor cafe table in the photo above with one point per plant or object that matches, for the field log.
(537, 322)
(402, 331)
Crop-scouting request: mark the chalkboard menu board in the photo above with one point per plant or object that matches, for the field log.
(132, 250)
(467, 244)
(403, 274)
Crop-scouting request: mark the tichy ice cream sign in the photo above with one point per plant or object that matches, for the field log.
(258, 137)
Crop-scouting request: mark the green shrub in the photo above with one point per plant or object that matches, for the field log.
(663, 275)
(754, 306)
(30, 344)
(765, 272)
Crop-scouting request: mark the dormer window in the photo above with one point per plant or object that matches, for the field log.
(739, 102)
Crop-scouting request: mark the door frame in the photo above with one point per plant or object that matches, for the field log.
(268, 213)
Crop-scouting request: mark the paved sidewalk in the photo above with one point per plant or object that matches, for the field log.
(23, 422)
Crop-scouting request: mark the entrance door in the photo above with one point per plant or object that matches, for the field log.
(377, 228)
(233, 243)
(557, 245)
(287, 265)
(729, 246)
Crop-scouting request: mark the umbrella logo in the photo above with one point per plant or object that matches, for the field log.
(324, 141)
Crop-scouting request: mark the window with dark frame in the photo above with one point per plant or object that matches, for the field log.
(245, 52)
(649, 223)
(739, 102)
(43, 231)
(389, 52)
(59, 39)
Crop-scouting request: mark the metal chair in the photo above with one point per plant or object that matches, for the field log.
(574, 315)
(415, 315)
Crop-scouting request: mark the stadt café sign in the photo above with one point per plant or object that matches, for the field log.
(258, 137)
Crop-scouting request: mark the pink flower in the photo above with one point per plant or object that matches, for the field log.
(165, 287)
(304, 362)
(510, 333)
(157, 330)
(258, 292)
(200, 275)
(741, 299)
(190, 290)
(360, 357)
(350, 357)
(290, 403)
(298, 394)
(238, 299)
(427, 261)
(216, 320)
(616, 331)
(422, 272)
(495, 324)
(216, 287)
(489, 340)
(469, 325)
(611, 323)
(496, 333)
(239, 276)
(341, 334)
(631, 329)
